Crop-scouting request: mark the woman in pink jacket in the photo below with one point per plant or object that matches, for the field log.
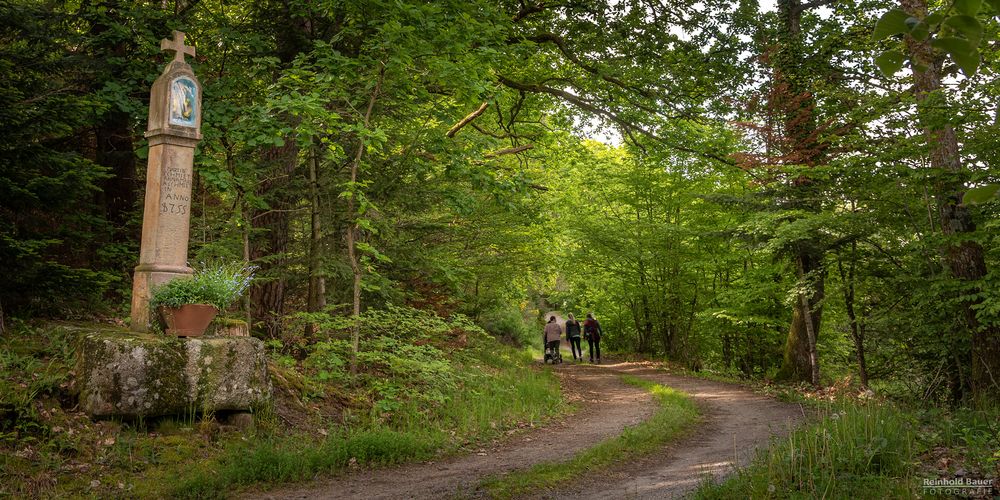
(552, 334)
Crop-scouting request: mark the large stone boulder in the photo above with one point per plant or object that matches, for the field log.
(127, 374)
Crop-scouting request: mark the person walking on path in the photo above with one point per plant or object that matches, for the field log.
(573, 334)
(552, 334)
(592, 332)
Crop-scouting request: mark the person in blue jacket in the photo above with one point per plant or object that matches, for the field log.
(573, 334)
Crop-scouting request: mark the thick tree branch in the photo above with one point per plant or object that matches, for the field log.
(560, 43)
(627, 126)
(645, 93)
(574, 100)
(468, 119)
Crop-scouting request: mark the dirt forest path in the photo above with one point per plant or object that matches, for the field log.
(734, 422)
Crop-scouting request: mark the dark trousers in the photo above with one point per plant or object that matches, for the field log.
(574, 344)
(595, 347)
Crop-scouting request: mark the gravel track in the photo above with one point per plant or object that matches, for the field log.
(735, 421)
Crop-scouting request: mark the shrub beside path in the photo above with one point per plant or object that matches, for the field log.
(735, 421)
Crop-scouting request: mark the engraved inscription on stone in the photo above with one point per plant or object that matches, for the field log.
(174, 190)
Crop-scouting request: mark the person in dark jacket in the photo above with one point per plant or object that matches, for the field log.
(592, 332)
(573, 334)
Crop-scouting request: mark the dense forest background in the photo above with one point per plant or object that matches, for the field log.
(780, 192)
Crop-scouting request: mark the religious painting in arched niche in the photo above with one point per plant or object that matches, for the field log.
(183, 102)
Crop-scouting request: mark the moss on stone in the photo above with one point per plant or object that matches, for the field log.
(224, 321)
(129, 374)
(222, 326)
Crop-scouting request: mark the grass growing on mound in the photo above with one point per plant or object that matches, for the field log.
(855, 451)
(425, 386)
(490, 400)
(275, 461)
(676, 412)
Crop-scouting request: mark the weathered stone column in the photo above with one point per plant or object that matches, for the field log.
(174, 130)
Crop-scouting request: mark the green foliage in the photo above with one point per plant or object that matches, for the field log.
(288, 460)
(852, 451)
(408, 359)
(486, 390)
(220, 285)
(981, 194)
(745, 139)
(33, 364)
(508, 324)
(893, 22)
(965, 438)
(890, 61)
(956, 34)
(51, 229)
(36, 366)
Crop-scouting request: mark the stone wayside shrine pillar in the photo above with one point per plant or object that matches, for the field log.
(174, 130)
(137, 373)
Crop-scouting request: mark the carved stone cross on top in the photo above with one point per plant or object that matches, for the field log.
(177, 46)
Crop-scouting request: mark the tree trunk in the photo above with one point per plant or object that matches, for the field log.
(727, 348)
(353, 230)
(796, 104)
(115, 151)
(114, 133)
(634, 309)
(857, 330)
(965, 259)
(247, 302)
(269, 252)
(646, 336)
(317, 282)
(356, 290)
(800, 360)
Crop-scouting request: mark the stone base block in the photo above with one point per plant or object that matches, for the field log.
(228, 327)
(143, 375)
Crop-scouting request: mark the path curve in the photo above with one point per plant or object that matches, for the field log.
(607, 406)
(735, 421)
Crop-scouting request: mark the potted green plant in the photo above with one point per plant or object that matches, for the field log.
(188, 305)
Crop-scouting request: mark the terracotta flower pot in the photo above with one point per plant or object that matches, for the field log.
(189, 320)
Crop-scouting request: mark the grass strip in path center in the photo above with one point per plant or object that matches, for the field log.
(676, 412)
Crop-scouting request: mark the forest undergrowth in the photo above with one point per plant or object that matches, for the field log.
(425, 387)
(862, 444)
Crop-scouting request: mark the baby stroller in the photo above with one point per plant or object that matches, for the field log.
(552, 352)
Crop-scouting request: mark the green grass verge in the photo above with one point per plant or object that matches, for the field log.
(854, 451)
(485, 407)
(676, 412)
(452, 388)
(290, 459)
